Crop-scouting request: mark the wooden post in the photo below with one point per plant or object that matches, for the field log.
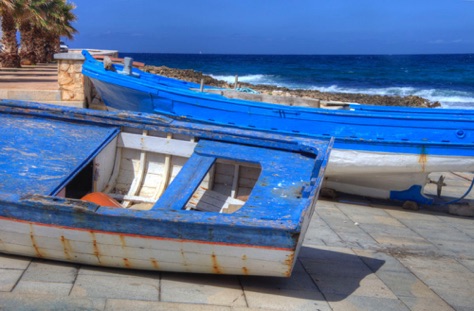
(236, 81)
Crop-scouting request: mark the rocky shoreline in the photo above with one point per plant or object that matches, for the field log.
(383, 100)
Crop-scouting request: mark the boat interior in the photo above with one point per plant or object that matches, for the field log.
(136, 167)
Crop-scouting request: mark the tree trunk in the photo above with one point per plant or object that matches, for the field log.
(9, 56)
(27, 53)
(53, 46)
(41, 45)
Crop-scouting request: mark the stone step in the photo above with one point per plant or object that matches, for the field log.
(31, 95)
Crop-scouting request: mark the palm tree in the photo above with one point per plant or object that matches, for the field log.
(31, 15)
(9, 56)
(41, 24)
(58, 21)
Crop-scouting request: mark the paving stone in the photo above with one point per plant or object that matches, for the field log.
(425, 304)
(24, 302)
(439, 230)
(363, 303)
(50, 271)
(369, 216)
(459, 249)
(369, 286)
(328, 253)
(343, 266)
(135, 305)
(137, 288)
(202, 289)
(383, 229)
(413, 217)
(319, 233)
(348, 231)
(9, 278)
(380, 261)
(406, 285)
(468, 263)
(286, 300)
(299, 280)
(43, 288)
(14, 262)
(122, 273)
(449, 279)
(388, 241)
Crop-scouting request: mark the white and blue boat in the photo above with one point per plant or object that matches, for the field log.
(380, 152)
(139, 191)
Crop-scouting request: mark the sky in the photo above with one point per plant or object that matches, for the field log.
(276, 26)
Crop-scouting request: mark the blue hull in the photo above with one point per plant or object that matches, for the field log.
(382, 152)
(396, 130)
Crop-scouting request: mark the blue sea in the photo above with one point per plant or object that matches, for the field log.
(448, 79)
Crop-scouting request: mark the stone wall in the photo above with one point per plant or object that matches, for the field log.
(71, 80)
(73, 85)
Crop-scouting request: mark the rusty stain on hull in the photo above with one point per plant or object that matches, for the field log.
(245, 271)
(96, 247)
(155, 264)
(215, 265)
(126, 263)
(122, 241)
(67, 247)
(423, 159)
(33, 242)
(289, 263)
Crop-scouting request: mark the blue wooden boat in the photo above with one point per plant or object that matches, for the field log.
(133, 190)
(378, 152)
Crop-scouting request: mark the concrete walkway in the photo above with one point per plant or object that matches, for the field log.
(39, 77)
(357, 255)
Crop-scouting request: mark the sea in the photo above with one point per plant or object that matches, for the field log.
(447, 79)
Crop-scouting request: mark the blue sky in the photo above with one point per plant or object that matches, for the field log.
(277, 26)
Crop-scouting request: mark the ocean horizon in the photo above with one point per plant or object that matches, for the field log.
(444, 78)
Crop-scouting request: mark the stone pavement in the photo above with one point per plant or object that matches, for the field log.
(357, 255)
(38, 77)
(34, 83)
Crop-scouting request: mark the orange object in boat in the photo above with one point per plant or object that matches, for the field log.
(101, 199)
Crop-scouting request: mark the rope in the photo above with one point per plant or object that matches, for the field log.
(465, 194)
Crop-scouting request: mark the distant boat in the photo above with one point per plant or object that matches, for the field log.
(380, 152)
(139, 191)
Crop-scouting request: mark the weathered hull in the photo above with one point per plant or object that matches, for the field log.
(192, 197)
(135, 251)
(387, 175)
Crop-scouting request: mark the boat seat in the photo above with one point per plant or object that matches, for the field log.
(211, 201)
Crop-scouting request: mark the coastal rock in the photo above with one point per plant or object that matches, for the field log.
(383, 100)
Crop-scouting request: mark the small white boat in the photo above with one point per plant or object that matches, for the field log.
(141, 191)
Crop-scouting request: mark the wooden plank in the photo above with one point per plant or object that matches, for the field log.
(105, 168)
(140, 252)
(211, 201)
(186, 182)
(180, 148)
